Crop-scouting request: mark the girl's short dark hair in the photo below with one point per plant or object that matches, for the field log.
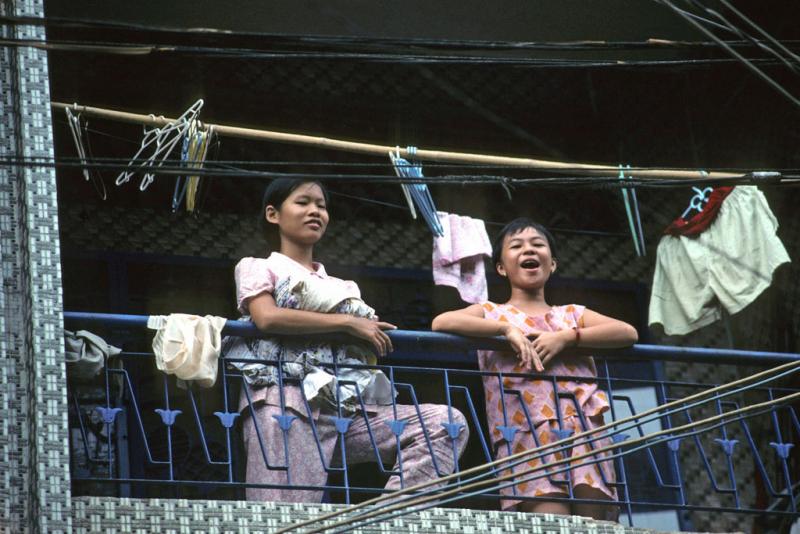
(515, 227)
(279, 190)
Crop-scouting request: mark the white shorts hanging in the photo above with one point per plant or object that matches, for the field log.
(728, 265)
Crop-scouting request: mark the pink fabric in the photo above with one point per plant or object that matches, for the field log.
(528, 404)
(599, 475)
(537, 394)
(307, 462)
(458, 256)
(259, 275)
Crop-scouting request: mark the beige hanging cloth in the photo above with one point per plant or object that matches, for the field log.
(187, 346)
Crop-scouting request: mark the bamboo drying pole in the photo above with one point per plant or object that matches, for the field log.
(382, 151)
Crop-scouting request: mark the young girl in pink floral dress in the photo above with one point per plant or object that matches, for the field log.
(522, 413)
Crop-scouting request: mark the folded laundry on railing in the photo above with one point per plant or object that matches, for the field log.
(188, 346)
(86, 354)
(304, 358)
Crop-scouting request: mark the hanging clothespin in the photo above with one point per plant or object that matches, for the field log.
(632, 212)
(419, 192)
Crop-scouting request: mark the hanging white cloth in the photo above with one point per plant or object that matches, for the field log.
(188, 346)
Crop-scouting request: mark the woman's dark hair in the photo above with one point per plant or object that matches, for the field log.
(279, 190)
(515, 227)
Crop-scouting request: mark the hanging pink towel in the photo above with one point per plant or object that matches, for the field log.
(458, 256)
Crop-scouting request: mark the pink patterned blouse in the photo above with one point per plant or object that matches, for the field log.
(536, 396)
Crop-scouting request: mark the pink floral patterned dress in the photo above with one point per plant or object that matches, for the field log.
(522, 412)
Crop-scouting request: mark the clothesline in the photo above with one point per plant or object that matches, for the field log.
(420, 154)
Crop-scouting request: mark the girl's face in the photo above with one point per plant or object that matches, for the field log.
(526, 259)
(303, 216)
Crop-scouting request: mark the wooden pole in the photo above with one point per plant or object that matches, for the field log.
(383, 151)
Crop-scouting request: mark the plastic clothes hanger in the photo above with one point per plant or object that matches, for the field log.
(632, 212)
(419, 192)
(698, 201)
(181, 182)
(203, 140)
(393, 158)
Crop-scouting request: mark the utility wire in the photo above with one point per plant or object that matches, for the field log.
(592, 182)
(132, 49)
(789, 62)
(242, 164)
(734, 53)
(760, 30)
(384, 42)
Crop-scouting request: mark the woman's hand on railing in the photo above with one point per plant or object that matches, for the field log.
(372, 332)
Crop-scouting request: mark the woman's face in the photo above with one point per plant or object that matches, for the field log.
(526, 259)
(303, 216)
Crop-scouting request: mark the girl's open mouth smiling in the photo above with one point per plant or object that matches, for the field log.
(530, 264)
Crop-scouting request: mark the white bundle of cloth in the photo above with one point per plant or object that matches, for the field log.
(188, 346)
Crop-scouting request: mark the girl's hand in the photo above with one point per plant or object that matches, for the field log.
(372, 331)
(550, 344)
(524, 348)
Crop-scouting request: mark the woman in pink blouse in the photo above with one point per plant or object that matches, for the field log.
(291, 432)
(521, 410)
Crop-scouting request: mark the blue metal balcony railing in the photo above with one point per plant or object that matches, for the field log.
(121, 418)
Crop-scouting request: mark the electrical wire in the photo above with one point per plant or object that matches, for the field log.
(377, 42)
(760, 30)
(789, 62)
(174, 168)
(749, 64)
(239, 164)
(131, 49)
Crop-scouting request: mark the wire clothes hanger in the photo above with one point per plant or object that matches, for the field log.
(165, 139)
(75, 129)
(74, 123)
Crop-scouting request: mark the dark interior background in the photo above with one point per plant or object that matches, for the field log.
(705, 115)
